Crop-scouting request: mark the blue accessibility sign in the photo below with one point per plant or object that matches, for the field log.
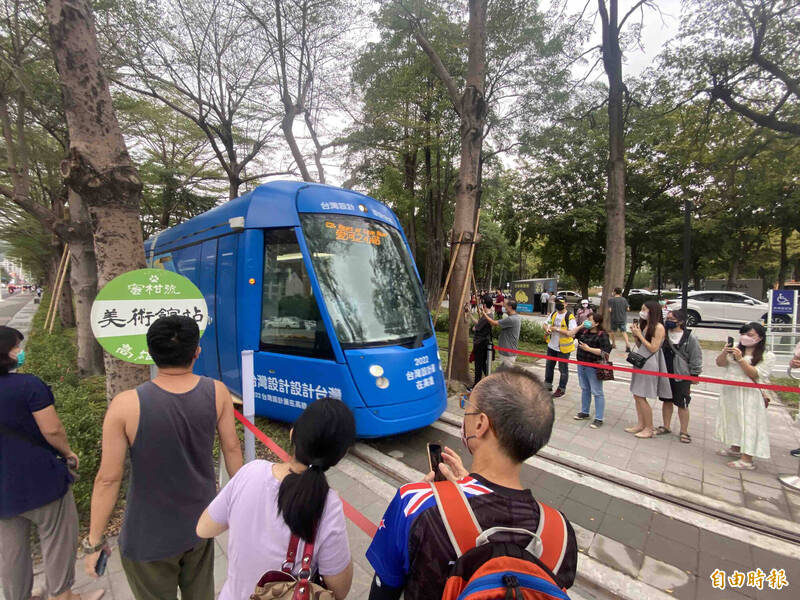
(783, 302)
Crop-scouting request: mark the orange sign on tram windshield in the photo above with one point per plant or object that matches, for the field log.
(360, 235)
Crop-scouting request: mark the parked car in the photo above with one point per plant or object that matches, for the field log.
(724, 307)
(573, 299)
(641, 291)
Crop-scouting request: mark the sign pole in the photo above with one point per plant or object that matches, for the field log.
(769, 321)
(249, 403)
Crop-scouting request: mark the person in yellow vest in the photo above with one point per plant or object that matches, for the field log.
(560, 328)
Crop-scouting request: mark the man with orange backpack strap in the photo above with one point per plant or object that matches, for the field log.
(480, 534)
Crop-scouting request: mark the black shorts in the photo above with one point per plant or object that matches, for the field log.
(681, 393)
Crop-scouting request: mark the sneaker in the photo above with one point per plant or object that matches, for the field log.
(795, 452)
(469, 388)
(596, 424)
(558, 393)
(580, 416)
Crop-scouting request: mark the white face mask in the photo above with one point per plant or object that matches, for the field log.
(644, 314)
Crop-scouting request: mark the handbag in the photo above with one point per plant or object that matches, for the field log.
(605, 374)
(282, 585)
(636, 359)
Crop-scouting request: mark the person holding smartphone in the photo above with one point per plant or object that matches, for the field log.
(742, 417)
(481, 340)
(649, 333)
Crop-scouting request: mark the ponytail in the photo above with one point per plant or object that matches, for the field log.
(321, 437)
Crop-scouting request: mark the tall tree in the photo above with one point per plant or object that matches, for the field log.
(98, 168)
(744, 54)
(612, 26)
(470, 105)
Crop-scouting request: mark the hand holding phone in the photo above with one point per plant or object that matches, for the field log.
(435, 459)
(730, 342)
(636, 321)
(102, 562)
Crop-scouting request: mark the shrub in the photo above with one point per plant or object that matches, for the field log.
(530, 332)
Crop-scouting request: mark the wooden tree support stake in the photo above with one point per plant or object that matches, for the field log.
(453, 256)
(464, 288)
(56, 284)
(62, 275)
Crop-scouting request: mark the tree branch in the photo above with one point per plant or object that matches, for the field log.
(719, 92)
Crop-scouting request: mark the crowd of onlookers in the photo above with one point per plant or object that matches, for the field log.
(286, 527)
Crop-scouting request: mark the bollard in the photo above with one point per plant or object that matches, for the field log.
(248, 404)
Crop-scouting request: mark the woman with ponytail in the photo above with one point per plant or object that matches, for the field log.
(266, 503)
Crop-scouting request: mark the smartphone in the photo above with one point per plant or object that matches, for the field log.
(635, 320)
(730, 342)
(435, 459)
(102, 561)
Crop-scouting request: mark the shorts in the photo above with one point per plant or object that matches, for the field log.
(619, 326)
(681, 393)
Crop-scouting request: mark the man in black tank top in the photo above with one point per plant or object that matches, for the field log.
(168, 425)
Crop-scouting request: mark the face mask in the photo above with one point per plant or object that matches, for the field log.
(587, 324)
(464, 439)
(747, 341)
(644, 314)
(21, 358)
(584, 305)
(670, 324)
(559, 306)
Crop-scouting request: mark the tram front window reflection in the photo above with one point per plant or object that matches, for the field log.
(290, 318)
(367, 279)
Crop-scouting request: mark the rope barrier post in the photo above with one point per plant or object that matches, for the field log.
(248, 403)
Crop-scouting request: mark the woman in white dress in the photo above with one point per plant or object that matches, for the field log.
(742, 416)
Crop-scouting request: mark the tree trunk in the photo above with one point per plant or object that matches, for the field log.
(66, 310)
(409, 181)
(733, 272)
(286, 126)
(434, 204)
(784, 260)
(99, 168)
(614, 271)
(83, 281)
(634, 268)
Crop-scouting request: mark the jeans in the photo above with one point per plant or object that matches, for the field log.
(550, 368)
(591, 386)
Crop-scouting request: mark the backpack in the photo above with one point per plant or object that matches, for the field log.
(487, 570)
(282, 585)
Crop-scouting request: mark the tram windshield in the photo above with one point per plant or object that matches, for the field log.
(367, 280)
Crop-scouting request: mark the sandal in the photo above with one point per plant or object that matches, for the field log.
(661, 430)
(741, 465)
(645, 434)
(633, 429)
(729, 452)
(686, 438)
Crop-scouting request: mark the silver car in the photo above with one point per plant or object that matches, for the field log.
(723, 307)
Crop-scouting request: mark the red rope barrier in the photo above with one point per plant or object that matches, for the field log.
(358, 519)
(749, 384)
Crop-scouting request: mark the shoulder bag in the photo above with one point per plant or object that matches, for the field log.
(605, 374)
(282, 585)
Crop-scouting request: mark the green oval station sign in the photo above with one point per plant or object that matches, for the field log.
(128, 304)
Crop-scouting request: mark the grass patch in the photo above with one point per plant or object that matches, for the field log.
(790, 399)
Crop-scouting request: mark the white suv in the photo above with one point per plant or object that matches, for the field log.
(723, 307)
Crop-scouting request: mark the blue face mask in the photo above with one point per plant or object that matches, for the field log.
(670, 324)
(20, 358)
(587, 324)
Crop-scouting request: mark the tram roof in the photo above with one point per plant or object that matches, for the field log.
(273, 204)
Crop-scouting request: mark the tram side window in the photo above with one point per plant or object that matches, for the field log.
(290, 318)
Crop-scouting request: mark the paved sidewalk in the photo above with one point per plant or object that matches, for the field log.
(692, 467)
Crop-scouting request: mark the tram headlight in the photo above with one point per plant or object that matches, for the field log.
(382, 382)
(376, 371)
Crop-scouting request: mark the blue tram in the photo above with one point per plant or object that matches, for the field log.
(319, 283)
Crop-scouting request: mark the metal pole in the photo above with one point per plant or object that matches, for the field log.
(687, 251)
(771, 338)
(248, 403)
